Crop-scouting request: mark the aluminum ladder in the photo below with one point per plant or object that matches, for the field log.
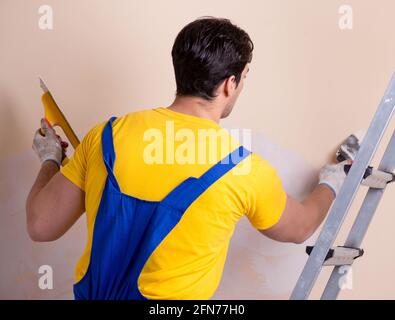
(321, 253)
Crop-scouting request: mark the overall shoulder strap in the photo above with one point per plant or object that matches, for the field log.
(188, 191)
(225, 165)
(108, 151)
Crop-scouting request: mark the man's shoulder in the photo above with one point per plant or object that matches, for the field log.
(253, 169)
(147, 112)
(123, 119)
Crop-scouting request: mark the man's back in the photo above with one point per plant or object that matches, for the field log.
(155, 151)
(159, 223)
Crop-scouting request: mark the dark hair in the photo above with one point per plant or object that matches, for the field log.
(206, 52)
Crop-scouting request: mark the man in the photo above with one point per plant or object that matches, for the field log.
(160, 211)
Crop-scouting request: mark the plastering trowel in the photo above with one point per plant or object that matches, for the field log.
(55, 117)
(348, 150)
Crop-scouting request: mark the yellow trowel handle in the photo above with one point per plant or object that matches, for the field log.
(56, 118)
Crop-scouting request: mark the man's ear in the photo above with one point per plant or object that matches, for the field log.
(229, 85)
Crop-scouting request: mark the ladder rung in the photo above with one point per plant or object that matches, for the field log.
(340, 255)
(374, 178)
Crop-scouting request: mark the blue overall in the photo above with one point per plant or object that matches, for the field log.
(127, 230)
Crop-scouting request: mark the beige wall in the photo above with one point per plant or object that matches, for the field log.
(310, 85)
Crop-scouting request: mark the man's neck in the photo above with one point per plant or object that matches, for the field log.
(197, 107)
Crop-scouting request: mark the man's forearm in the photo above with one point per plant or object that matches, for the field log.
(317, 205)
(47, 171)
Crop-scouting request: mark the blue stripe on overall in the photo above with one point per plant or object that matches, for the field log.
(127, 230)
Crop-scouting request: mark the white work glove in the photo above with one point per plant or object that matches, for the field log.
(333, 175)
(48, 145)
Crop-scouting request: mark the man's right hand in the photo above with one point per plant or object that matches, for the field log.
(48, 145)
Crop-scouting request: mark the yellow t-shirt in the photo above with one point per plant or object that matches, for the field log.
(155, 151)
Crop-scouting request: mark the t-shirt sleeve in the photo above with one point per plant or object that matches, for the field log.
(75, 169)
(268, 198)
